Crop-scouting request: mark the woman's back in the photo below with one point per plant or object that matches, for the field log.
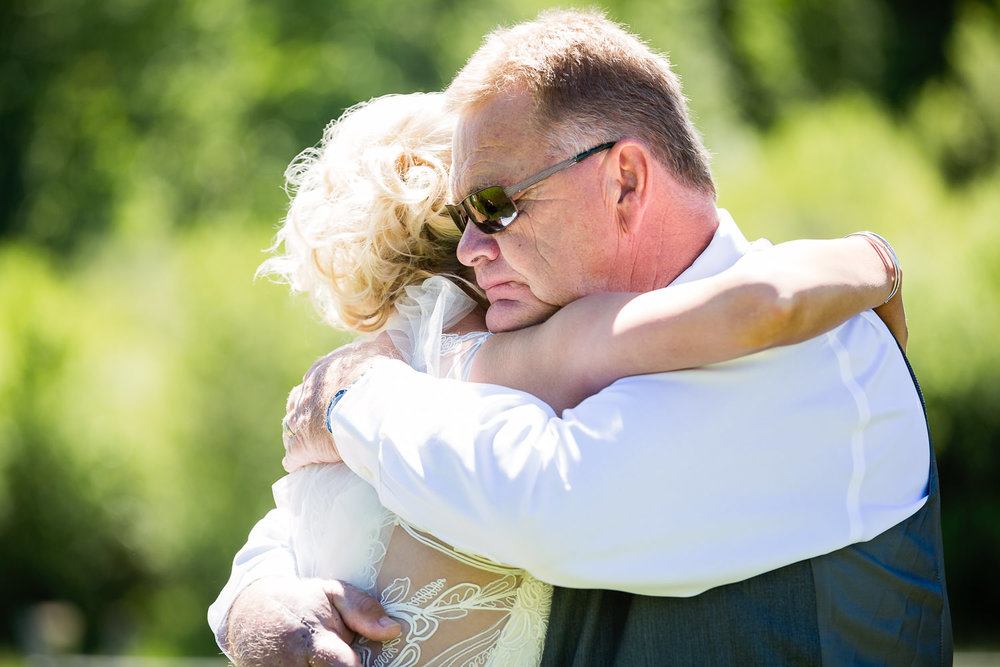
(455, 608)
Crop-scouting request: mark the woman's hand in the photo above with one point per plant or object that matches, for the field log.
(895, 318)
(304, 430)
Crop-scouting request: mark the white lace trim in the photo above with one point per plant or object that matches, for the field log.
(422, 315)
(458, 351)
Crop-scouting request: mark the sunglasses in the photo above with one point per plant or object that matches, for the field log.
(492, 209)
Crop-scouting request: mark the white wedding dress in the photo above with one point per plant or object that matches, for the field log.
(455, 608)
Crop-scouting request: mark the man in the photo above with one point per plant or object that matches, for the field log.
(782, 508)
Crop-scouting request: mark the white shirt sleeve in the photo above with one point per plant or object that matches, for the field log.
(268, 552)
(664, 484)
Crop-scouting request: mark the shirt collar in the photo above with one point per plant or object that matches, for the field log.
(727, 246)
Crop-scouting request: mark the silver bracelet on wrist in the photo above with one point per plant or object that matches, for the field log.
(880, 245)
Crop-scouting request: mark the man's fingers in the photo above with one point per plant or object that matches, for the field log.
(361, 612)
(293, 398)
(329, 650)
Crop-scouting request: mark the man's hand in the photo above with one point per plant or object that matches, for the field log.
(291, 622)
(304, 428)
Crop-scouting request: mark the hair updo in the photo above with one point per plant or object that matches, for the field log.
(367, 215)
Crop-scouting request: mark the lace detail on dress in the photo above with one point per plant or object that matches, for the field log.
(424, 610)
(510, 608)
(457, 353)
(456, 608)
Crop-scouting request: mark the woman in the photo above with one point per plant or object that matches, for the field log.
(368, 237)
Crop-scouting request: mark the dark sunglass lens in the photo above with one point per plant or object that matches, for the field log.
(491, 209)
(492, 204)
(491, 226)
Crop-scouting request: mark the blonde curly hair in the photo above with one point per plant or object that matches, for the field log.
(367, 215)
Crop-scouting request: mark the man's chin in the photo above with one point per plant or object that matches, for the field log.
(506, 315)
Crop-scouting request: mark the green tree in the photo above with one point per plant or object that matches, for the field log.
(143, 373)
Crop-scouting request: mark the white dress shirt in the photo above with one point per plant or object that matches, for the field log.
(661, 484)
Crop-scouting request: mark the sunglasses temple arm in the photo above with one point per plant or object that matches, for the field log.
(540, 176)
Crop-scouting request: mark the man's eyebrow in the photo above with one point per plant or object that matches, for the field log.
(465, 192)
(461, 193)
(495, 183)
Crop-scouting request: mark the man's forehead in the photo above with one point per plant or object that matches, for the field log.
(482, 165)
(491, 147)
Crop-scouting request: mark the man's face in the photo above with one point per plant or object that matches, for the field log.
(563, 243)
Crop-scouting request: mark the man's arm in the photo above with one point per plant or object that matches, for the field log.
(308, 622)
(665, 484)
(267, 615)
(267, 553)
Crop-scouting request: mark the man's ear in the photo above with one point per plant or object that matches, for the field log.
(630, 165)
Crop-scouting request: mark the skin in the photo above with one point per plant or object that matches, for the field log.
(286, 621)
(616, 222)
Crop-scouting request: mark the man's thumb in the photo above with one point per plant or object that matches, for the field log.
(361, 612)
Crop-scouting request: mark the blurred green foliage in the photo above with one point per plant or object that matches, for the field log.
(142, 145)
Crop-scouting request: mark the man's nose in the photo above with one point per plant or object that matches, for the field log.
(476, 246)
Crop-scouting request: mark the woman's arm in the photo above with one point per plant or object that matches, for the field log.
(782, 295)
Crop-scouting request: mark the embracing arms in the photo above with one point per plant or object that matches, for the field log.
(772, 297)
(779, 457)
(780, 295)
(267, 615)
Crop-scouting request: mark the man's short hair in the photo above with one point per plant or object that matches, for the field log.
(592, 81)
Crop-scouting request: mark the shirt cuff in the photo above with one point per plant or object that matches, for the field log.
(333, 402)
